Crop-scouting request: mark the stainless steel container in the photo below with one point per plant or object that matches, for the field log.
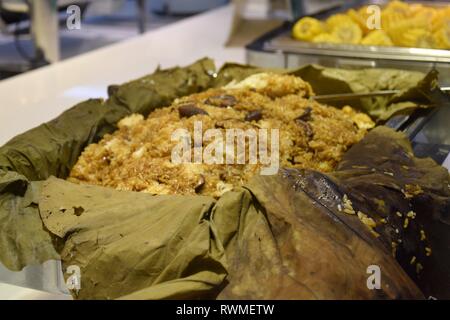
(279, 49)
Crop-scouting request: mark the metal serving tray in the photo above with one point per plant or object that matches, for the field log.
(428, 130)
(278, 49)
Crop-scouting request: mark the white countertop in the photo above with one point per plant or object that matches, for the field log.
(30, 99)
(35, 97)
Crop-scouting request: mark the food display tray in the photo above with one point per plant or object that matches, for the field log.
(278, 49)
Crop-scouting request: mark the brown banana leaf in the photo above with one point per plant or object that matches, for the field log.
(52, 149)
(281, 237)
(23, 239)
(165, 243)
(413, 85)
(382, 177)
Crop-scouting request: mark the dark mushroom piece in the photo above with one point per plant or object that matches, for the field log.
(200, 184)
(254, 115)
(306, 116)
(189, 110)
(222, 101)
(219, 125)
(306, 127)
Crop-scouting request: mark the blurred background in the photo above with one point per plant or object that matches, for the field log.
(34, 33)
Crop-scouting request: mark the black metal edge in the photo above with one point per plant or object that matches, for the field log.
(258, 44)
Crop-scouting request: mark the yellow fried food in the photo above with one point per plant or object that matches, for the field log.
(402, 24)
(427, 18)
(337, 20)
(415, 8)
(442, 37)
(360, 17)
(377, 38)
(397, 32)
(398, 7)
(307, 28)
(441, 19)
(391, 19)
(417, 38)
(326, 38)
(348, 32)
